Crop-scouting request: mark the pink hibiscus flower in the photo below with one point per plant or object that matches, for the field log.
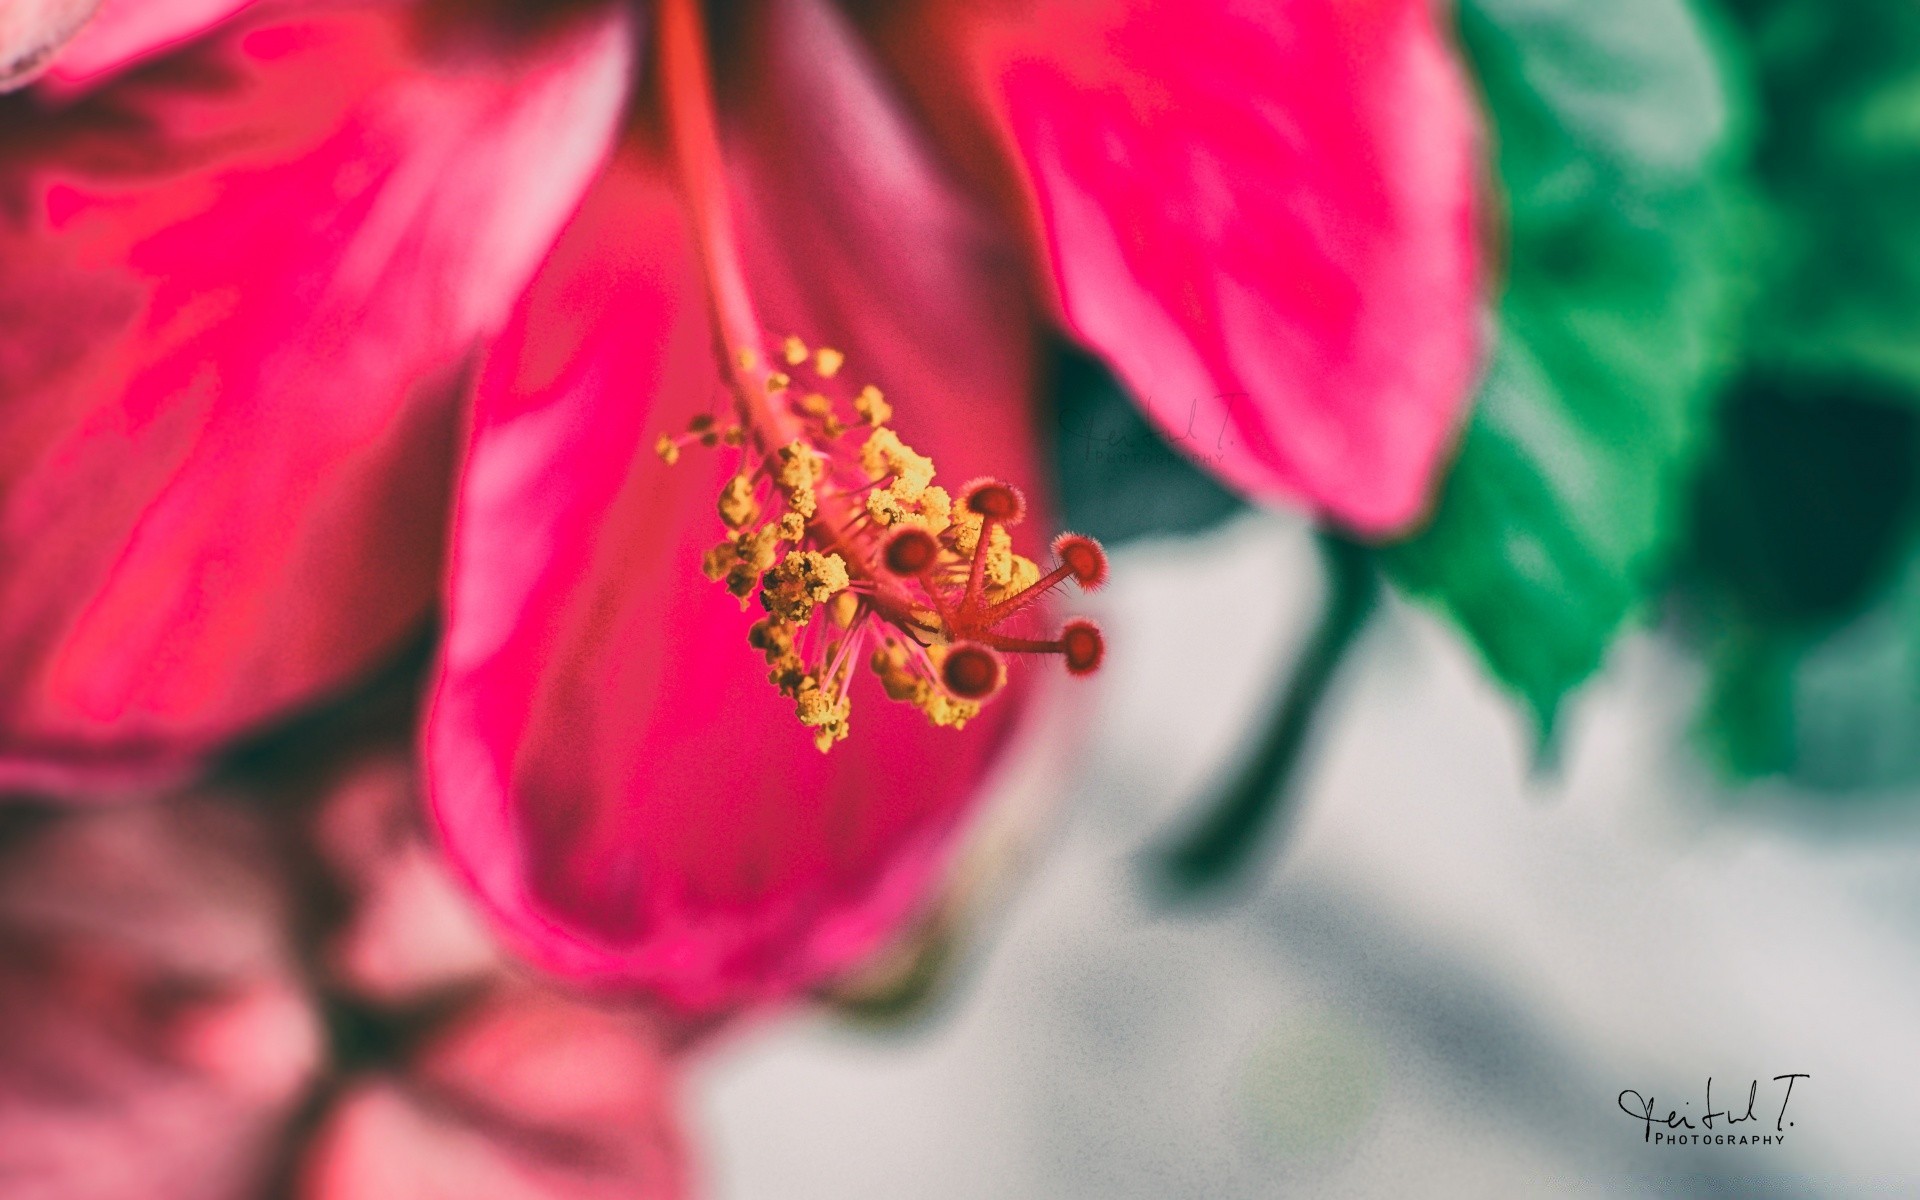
(245, 991)
(320, 320)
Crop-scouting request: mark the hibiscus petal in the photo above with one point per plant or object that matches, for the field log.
(1261, 213)
(125, 31)
(156, 1037)
(527, 1097)
(607, 761)
(471, 1083)
(33, 31)
(236, 291)
(409, 931)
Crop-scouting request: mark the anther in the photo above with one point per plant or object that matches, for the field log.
(737, 506)
(872, 405)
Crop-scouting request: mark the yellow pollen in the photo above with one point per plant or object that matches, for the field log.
(1026, 573)
(740, 561)
(820, 408)
(872, 406)
(814, 707)
(789, 674)
(1007, 572)
(668, 451)
(799, 471)
(885, 454)
(945, 710)
(892, 663)
(771, 637)
(930, 512)
(804, 580)
(818, 710)
(737, 506)
(966, 532)
(819, 546)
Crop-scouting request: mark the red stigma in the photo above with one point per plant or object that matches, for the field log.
(972, 672)
(1083, 646)
(995, 501)
(1084, 558)
(910, 551)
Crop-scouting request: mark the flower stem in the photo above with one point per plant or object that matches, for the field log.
(1219, 847)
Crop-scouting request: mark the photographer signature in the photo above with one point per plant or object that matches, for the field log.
(1114, 446)
(1643, 1109)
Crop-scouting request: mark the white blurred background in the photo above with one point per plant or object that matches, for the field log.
(1451, 969)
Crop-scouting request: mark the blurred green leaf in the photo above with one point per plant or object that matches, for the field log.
(1119, 480)
(1854, 700)
(1618, 149)
(1839, 84)
(1804, 516)
(1807, 498)
(1800, 577)
(1833, 711)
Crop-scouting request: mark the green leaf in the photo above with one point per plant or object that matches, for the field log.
(1801, 572)
(1854, 699)
(1119, 480)
(1619, 151)
(1833, 711)
(1806, 502)
(1840, 165)
(1806, 516)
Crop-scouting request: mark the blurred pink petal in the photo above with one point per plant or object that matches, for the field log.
(156, 1037)
(33, 31)
(527, 1097)
(125, 31)
(1261, 213)
(608, 763)
(410, 932)
(855, 238)
(237, 290)
(503, 1090)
